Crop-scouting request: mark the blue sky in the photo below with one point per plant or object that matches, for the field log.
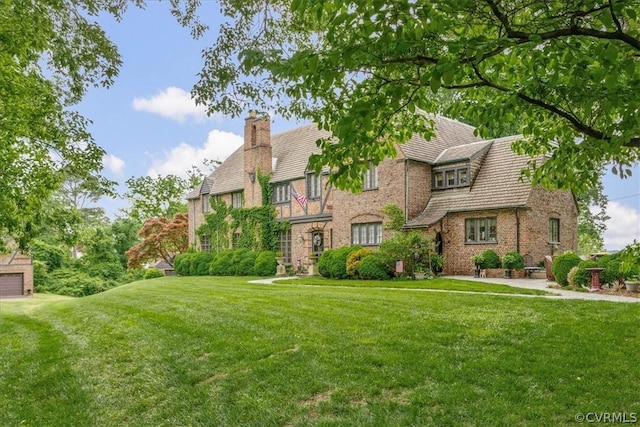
(148, 124)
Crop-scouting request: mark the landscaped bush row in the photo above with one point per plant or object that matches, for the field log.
(613, 272)
(238, 262)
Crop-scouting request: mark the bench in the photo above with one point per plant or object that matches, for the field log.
(528, 271)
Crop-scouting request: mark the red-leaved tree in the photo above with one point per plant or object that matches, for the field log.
(162, 238)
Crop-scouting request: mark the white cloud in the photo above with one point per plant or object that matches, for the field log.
(623, 227)
(177, 161)
(113, 163)
(173, 103)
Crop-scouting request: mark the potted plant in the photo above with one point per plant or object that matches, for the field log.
(512, 261)
(419, 273)
(478, 261)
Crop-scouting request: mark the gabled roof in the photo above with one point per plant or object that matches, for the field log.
(292, 150)
(496, 186)
(449, 133)
(462, 152)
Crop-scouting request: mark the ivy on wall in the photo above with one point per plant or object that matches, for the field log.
(256, 227)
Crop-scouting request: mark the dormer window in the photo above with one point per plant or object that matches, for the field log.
(451, 177)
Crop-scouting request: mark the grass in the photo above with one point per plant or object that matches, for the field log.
(435, 283)
(209, 351)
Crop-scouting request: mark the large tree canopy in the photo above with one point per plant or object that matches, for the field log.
(50, 54)
(366, 69)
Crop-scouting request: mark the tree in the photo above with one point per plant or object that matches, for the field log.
(162, 238)
(162, 196)
(366, 70)
(51, 54)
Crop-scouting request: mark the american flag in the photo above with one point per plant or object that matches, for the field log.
(300, 198)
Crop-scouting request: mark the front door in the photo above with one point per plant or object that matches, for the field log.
(317, 242)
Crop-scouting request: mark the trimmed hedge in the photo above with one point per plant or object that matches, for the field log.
(561, 266)
(513, 260)
(333, 262)
(266, 264)
(221, 264)
(152, 273)
(353, 261)
(372, 267)
(490, 259)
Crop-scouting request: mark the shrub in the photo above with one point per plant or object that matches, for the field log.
(199, 265)
(66, 281)
(182, 263)
(152, 273)
(478, 260)
(266, 264)
(561, 266)
(325, 261)
(105, 270)
(611, 273)
(490, 259)
(354, 259)
(337, 263)
(437, 263)
(245, 264)
(372, 267)
(513, 261)
(412, 248)
(221, 264)
(571, 277)
(40, 276)
(52, 255)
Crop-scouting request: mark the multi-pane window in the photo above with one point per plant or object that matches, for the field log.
(206, 203)
(369, 233)
(314, 186)
(554, 230)
(455, 177)
(205, 243)
(236, 200)
(481, 230)
(370, 177)
(281, 192)
(285, 244)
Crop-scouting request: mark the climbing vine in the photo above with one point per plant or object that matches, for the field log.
(256, 227)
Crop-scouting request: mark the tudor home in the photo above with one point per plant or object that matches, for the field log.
(464, 191)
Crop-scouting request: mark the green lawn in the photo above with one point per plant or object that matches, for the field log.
(209, 351)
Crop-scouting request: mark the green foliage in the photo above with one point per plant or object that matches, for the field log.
(159, 197)
(182, 264)
(222, 265)
(66, 281)
(561, 266)
(581, 277)
(612, 272)
(53, 256)
(200, 263)
(52, 52)
(353, 261)
(266, 264)
(412, 248)
(395, 215)
(333, 262)
(372, 267)
(437, 262)
(477, 260)
(490, 259)
(106, 270)
(488, 56)
(512, 261)
(152, 273)
(40, 275)
(245, 263)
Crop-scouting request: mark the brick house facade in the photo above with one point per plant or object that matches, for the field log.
(464, 191)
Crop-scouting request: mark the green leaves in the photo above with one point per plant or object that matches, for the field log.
(565, 72)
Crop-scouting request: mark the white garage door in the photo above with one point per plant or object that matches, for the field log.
(11, 284)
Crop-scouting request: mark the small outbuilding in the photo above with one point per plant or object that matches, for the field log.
(16, 275)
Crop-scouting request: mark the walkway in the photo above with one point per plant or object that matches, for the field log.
(540, 284)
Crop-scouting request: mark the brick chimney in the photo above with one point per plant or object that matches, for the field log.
(257, 156)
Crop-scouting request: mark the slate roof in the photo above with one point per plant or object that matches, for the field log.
(496, 186)
(293, 148)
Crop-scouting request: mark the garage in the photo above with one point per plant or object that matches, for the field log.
(11, 285)
(16, 275)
